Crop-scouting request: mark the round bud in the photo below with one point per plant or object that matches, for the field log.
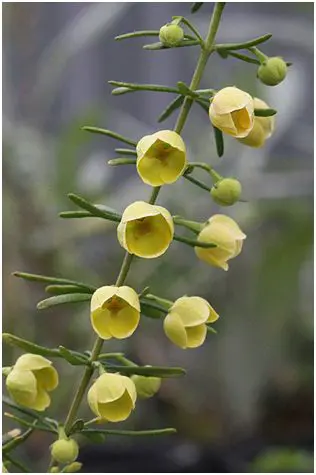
(146, 386)
(171, 35)
(73, 467)
(65, 450)
(226, 192)
(272, 71)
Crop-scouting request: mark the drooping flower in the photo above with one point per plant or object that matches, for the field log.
(228, 237)
(115, 311)
(161, 158)
(185, 324)
(112, 397)
(146, 386)
(232, 111)
(263, 127)
(145, 230)
(30, 380)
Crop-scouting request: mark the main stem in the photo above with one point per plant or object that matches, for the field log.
(183, 114)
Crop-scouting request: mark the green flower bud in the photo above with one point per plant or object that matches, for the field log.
(171, 35)
(272, 71)
(226, 192)
(65, 450)
(54, 470)
(73, 467)
(146, 387)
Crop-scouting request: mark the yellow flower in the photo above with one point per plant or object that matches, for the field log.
(161, 158)
(115, 311)
(185, 323)
(228, 237)
(30, 379)
(145, 230)
(112, 397)
(263, 127)
(232, 111)
(65, 450)
(146, 386)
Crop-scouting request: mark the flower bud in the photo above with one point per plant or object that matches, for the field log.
(232, 111)
(226, 192)
(185, 324)
(272, 71)
(228, 237)
(112, 397)
(146, 387)
(171, 34)
(64, 450)
(161, 158)
(73, 467)
(145, 230)
(30, 380)
(263, 127)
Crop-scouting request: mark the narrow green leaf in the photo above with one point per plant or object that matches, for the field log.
(197, 182)
(159, 45)
(65, 289)
(144, 87)
(146, 370)
(265, 112)
(76, 215)
(122, 161)
(219, 141)
(187, 22)
(186, 91)
(152, 309)
(88, 432)
(137, 34)
(109, 133)
(101, 212)
(95, 437)
(173, 106)
(16, 463)
(244, 45)
(243, 57)
(32, 425)
(28, 345)
(53, 280)
(61, 299)
(211, 329)
(125, 151)
(27, 412)
(196, 6)
(193, 243)
(74, 358)
(13, 443)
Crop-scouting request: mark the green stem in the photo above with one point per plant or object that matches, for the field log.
(204, 55)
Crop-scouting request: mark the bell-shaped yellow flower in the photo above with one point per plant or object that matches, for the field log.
(146, 386)
(145, 230)
(161, 158)
(112, 397)
(115, 311)
(228, 237)
(185, 323)
(30, 380)
(232, 111)
(263, 127)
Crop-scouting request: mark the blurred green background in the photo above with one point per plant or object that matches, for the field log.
(247, 400)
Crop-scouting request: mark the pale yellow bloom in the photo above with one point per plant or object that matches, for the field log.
(65, 450)
(112, 397)
(263, 127)
(232, 111)
(185, 324)
(228, 237)
(161, 158)
(145, 230)
(115, 311)
(146, 386)
(30, 380)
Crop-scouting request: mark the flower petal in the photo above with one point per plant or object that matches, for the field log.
(118, 410)
(100, 323)
(196, 336)
(229, 223)
(93, 400)
(42, 400)
(192, 310)
(123, 323)
(174, 329)
(22, 386)
(109, 387)
(152, 244)
(230, 99)
(101, 295)
(29, 361)
(129, 295)
(47, 378)
(131, 389)
(138, 210)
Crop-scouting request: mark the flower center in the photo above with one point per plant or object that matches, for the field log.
(142, 227)
(114, 304)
